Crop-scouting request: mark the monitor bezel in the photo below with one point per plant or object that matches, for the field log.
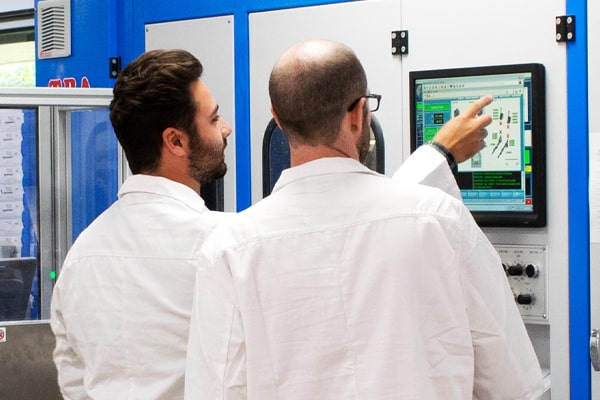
(537, 216)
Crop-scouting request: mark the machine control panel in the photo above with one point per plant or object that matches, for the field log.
(525, 268)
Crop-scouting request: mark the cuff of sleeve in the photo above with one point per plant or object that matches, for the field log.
(446, 153)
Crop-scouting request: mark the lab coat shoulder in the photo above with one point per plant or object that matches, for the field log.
(505, 363)
(428, 167)
(215, 361)
(271, 217)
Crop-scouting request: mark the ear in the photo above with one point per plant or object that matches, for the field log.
(357, 115)
(175, 141)
(275, 117)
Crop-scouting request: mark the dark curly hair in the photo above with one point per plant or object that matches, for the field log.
(151, 94)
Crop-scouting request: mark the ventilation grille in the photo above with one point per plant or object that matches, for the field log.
(54, 29)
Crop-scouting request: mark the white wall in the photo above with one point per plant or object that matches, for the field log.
(198, 36)
(7, 6)
(15, 5)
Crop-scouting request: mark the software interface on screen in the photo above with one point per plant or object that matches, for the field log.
(499, 177)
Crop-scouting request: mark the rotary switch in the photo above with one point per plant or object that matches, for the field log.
(525, 299)
(515, 270)
(532, 270)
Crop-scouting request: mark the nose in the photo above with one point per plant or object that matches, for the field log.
(225, 128)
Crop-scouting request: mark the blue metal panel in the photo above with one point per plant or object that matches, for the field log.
(94, 166)
(579, 228)
(113, 34)
(159, 11)
(92, 43)
(127, 32)
(242, 110)
(108, 28)
(29, 239)
(30, 178)
(138, 13)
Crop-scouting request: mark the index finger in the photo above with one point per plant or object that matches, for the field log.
(478, 105)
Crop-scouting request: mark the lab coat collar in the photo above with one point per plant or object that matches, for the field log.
(322, 166)
(161, 186)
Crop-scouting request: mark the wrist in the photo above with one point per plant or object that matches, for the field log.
(446, 153)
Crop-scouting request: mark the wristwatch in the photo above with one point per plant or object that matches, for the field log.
(449, 157)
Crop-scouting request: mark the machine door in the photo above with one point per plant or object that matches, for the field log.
(218, 74)
(593, 8)
(19, 266)
(370, 41)
(59, 168)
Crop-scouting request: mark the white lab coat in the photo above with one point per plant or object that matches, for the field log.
(429, 167)
(344, 284)
(120, 309)
(121, 305)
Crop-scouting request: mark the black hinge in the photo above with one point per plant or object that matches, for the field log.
(399, 42)
(114, 66)
(565, 28)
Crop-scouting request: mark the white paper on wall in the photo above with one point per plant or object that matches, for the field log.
(10, 157)
(11, 182)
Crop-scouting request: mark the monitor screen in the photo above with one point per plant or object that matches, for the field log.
(505, 183)
(16, 278)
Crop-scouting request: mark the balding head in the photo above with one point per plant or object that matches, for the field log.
(311, 87)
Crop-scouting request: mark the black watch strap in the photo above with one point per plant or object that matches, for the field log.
(449, 157)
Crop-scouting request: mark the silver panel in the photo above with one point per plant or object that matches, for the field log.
(46, 211)
(219, 68)
(26, 368)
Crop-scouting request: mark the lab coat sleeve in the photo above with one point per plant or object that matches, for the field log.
(69, 365)
(429, 167)
(506, 366)
(216, 353)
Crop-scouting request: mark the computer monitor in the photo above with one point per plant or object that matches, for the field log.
(505, 183)
(16, 277)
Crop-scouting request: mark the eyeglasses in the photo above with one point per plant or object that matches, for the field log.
(373, 99)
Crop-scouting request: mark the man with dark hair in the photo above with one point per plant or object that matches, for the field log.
(121, 306)
(346, 284)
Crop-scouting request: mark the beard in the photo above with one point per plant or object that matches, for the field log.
(206, 159)
(364, 142)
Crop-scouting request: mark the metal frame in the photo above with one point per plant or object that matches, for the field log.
(54, 161)
(579, 216)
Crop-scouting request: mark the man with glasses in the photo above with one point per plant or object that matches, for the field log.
(345, 284)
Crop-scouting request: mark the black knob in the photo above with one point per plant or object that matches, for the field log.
(525, 299)
(515, 270)
(531, 270)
